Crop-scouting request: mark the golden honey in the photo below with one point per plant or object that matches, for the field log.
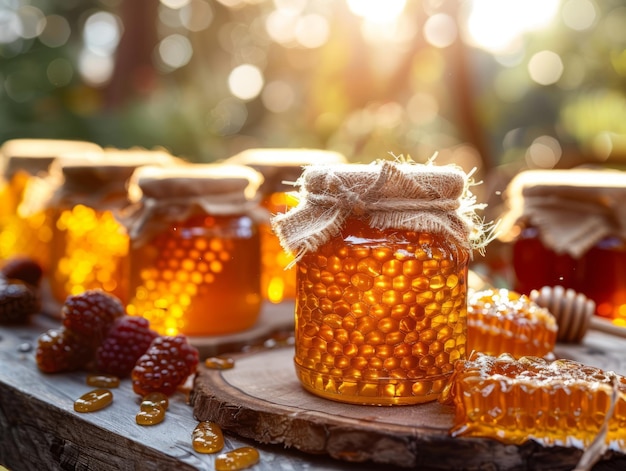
(504, 321)
(380, 315)
(200, 277)
(89, 248)
(278, 283)
(382, 254)
(565, 229)
(25, 224)
(555, 403)
(195, 269)
(280, 168)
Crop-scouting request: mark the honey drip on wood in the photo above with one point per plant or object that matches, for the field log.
(93, 400)
(240, 458)
(207, 437)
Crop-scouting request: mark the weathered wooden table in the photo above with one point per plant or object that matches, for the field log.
(39, 429)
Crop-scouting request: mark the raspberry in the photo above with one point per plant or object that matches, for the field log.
(128, 339)
(165, 366)
(59, 350)
(24, 269)
(91, 314)
(17, 302)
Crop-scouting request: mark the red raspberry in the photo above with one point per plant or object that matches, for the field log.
(60, 350)
(128, 339)
(24, 269)
(165, 366)
(91, 314)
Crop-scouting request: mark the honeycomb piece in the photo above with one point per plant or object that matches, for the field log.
(380, 316)
(562, 402)
(504, 321)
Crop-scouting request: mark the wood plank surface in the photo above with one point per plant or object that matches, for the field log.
(261, 399)
(39, 429)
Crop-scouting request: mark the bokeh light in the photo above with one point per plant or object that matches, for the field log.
(496, 25)
(245, 81)
(545, 67)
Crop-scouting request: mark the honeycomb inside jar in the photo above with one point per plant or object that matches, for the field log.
(198, 277)
(23, 235)
(277, 282)
(380, 315)
(562, 402)
(505, 321)
(89, 251)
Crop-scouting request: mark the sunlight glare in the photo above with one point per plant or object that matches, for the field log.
(377, 11)
(494, 25)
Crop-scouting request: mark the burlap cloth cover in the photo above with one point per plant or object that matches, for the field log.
(100, 180)
(573, 209)
(389, 194)
(281, 167)
(34, 156)
(163, 196)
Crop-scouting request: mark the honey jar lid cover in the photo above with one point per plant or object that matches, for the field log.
(281, 167)
(100, 179)
(35, 156)
(390, 194)
(572, 208)
(161, 196)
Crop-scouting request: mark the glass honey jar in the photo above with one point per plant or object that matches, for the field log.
(25, 225)
(89, 244)
(567, 228)
(382, 254)
(280, 169)
(195, 249)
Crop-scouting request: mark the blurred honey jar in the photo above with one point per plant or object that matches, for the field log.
(89, 247)
(195, 248)
(281, 168)
(568, 228)
(382, 253)
(25, 225)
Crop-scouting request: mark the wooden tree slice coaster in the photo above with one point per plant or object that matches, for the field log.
(261, 399)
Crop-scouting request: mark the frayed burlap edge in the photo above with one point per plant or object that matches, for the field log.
(398, 194)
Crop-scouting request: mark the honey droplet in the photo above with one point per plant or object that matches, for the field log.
(151, 413)
(93, 400)
(217, 363)
(103, 381)
(237, 459)
(207, 437)
(158, 398)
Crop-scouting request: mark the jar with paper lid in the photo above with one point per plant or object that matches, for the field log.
(382, 255)
(25, 227)
(195, 249)
(89, 247)
(280, 168)
(568, 228)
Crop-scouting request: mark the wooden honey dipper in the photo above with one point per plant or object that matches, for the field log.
(574, 313)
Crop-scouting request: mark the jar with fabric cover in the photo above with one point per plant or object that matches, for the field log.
(89, 246)
(25, 227)
(568, 228)
(195, 250)
(381, 253)
(280, 169)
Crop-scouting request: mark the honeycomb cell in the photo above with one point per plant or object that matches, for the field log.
(192, 298)
(559, 402)
(504, 321)
(89, 251)
(405, 316)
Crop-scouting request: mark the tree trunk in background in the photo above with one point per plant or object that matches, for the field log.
(134, 72)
